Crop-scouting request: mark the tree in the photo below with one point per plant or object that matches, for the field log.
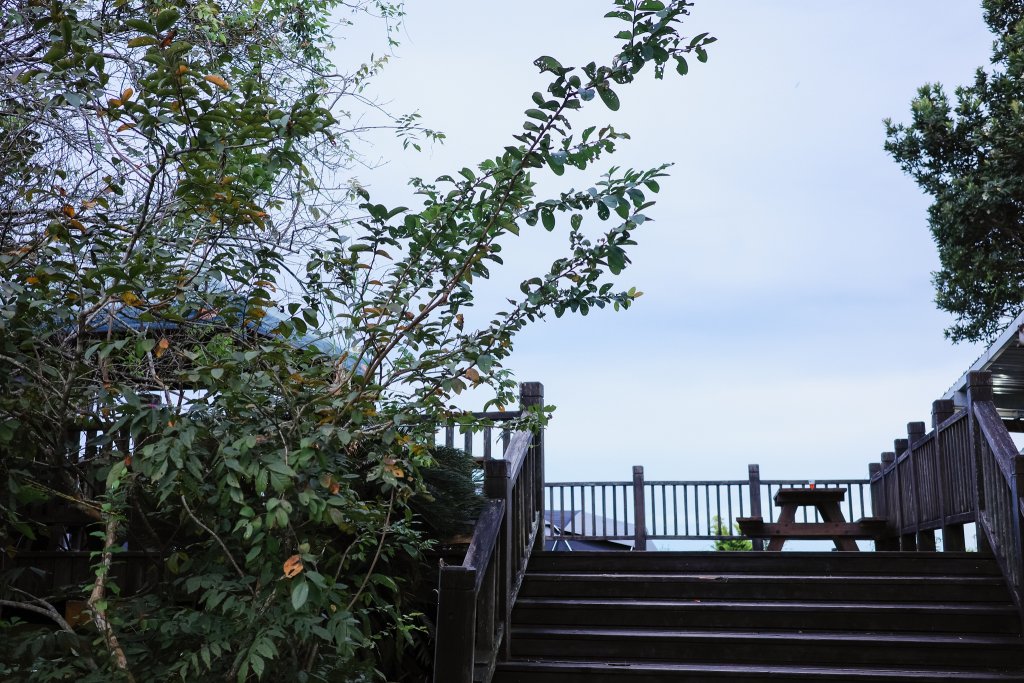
(216, 350)
(731, 544)
(968, 157)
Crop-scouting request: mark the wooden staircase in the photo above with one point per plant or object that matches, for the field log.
(652, 617)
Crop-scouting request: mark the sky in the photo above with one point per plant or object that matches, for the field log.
(788, 316)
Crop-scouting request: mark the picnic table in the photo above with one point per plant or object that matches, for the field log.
(833, 524)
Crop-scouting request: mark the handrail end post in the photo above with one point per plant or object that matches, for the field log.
(454, 650)
(639, 509)
(754, 478)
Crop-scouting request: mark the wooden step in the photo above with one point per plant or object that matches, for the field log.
(757, 614)
(561, 671)
(626, 645)
(802, 563)
(727, 586)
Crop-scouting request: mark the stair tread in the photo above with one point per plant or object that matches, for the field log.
(772, 578)
(880, 638)
(723, 670)
(764, 605)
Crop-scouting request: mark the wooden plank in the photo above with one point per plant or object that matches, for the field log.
(808, 496)
(810, 530)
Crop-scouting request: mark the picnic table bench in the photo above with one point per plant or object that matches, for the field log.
(833, 525)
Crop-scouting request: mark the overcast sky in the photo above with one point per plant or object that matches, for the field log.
(788, 315)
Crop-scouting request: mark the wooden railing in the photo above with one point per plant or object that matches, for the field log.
(475, 598)
(966, 469)
(485, 435)
(640, 510)
(925, 483)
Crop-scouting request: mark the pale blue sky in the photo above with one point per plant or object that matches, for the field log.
(788, 316)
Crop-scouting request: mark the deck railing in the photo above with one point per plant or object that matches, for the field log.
(966, 469)
(475, 598)
(640, 510)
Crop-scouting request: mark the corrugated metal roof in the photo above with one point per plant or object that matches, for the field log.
(122, 318)
(1005, 360)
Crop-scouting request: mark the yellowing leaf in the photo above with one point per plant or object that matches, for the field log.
(293, 566)
(131, 299)
(125, 126)
(76, 224)
(182, 69)
(69, 211)
(217, 81)
(127, 94)
(162, 346)
(142, 41)
(473, 375)
(32, 280)
(88, 204)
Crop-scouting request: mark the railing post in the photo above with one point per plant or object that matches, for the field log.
(1016, 489)
(952, 534)
(979, 388)
(639, 510)
(890, 507)
(532, 394)
(908, 540)
(456, 621)
(754, 477)
(924, 539)
(498, 485)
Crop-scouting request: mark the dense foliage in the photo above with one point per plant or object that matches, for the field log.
(968, 154)
(216, 349)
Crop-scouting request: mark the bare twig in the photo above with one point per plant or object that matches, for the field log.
(217, 538)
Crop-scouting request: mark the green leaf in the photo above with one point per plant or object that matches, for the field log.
(546, 63)
(616, 260)
(608, 96)
(681, 66)
(166, 18)
(142, 26)
(142, 41)
(300, 592)
(548, 219)
(485, 362)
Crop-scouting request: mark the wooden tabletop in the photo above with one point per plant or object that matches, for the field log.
(809, 496)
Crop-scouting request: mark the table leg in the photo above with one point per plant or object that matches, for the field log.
(786, 516)
(831, 512)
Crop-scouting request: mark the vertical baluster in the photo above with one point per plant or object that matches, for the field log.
(665, 511)
(675, 510)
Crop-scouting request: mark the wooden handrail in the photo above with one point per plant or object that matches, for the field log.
(998, 439)
(475, 598)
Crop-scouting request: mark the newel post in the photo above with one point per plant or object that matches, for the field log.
(952, 534)
(907, 536)
(979, 388)
(456, 621)
(924, 538)
(532, 394)
(639, 509)
(754, 476)
(890, 508)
